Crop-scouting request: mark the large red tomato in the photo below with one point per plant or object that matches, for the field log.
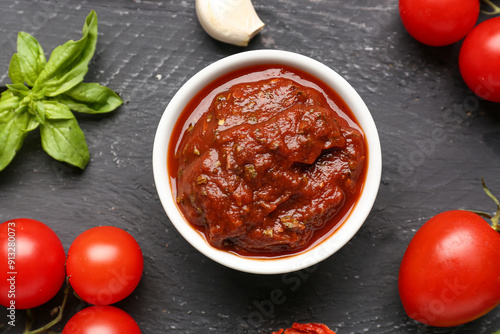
(31, 263)
(439, 22)
(101, 320)
(104, 265)
(479, 60)
(450, 271)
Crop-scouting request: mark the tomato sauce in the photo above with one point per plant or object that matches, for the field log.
(266, 161)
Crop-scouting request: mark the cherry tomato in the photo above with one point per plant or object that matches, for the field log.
(104, 265)
(439, 22)
(479, 60)
(450, 271)
(101, 319)
(31, 263)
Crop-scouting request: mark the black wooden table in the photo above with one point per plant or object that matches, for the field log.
(437, 139)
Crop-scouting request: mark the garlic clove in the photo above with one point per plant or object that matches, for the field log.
(230, 21)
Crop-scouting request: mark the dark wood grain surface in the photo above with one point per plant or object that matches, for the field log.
(437, 139)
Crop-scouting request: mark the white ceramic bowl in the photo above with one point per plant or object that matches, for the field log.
(328, 246)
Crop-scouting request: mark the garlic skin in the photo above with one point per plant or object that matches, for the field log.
(229, 21)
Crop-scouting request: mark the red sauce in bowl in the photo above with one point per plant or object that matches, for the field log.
(266, 161)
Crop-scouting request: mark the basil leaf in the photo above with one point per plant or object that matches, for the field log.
(63, 139)
(12, 134)
(37, 109)
(32, 125)
(55, 110)
(68, 63)
(31, 57)
(8, 103)
(19, 89)
(90, 98)
(15, 72)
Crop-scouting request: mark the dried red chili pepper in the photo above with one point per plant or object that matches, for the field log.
(312, 328)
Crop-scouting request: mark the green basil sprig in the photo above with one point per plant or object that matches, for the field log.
(44, 93)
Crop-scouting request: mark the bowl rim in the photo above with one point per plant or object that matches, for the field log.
(330, 244)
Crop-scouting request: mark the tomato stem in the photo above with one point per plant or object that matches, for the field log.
(29, 320)
(51, 324)
(495, 9)
(495, 219)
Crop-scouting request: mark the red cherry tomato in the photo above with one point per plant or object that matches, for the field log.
(31, 263)
(450, 271)
(439, 22)
(101, 319)
(479, 60)
(104, 265)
